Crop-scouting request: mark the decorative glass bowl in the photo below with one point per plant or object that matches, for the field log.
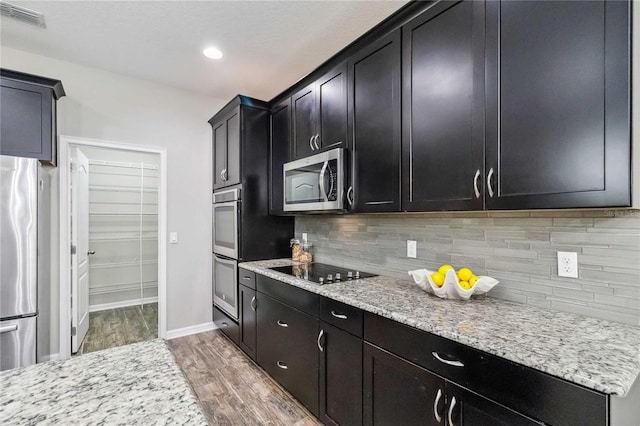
(451, 289)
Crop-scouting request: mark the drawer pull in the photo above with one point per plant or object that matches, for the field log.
(9, 328)
(246, 278)
(446, 361)
(282, 365)
(339, 316)
(319, 340)
(282, 324)
(224, 324)
(435, 406)
(453, 404)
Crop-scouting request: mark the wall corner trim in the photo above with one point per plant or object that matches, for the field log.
(194, 329)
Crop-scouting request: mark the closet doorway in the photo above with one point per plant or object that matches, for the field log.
(116, 218)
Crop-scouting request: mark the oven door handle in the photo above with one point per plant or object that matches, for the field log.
(321, 181)
(225, 261)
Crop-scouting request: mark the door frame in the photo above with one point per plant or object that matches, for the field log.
(65, 226)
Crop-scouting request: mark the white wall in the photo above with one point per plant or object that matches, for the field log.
(107, 106)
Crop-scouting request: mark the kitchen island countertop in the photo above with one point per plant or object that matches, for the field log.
(598, 354)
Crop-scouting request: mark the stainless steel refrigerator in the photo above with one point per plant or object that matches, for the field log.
(21, 188)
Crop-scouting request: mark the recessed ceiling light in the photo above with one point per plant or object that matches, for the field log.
(212, 52)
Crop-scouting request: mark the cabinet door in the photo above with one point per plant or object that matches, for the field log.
(248, 320)
(219, 154)
(303, 104)
(468, 408)
(27, 121)
(443, 108)
(287, 349)
(331, 107)
(279, 153)
(558, 104)
(397, 392)
(340, 376)
(234, 133)
(374, 123)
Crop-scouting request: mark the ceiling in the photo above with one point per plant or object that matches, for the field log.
(267, 45)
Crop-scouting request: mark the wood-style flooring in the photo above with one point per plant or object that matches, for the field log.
(120, 326)
(231, 388)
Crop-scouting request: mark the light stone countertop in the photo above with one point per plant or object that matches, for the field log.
(598, 354)
(138, 384)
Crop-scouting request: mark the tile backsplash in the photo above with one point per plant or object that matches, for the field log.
(517, 248)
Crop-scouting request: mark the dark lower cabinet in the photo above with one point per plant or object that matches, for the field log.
(248, 320)
(340, 376)
(374, 123)
(287, 349)
(397, 392)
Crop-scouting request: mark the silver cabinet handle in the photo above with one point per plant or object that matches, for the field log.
(90, 252)
(350, 195)
(339, 316)
(315, 141)
(246, 278)
(453, 404)
(9, 328)
(282, 324)
(319, 340)
(282, 365)
(489, 176)
(253, 303)
(311, 143)
(224, 323)
(446, 361)
(222, 175)
(475, 183)
(435, 406)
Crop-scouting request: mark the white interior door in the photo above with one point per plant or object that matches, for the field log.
(79, 240)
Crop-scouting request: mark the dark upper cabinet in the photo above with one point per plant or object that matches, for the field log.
(319, 114)
(28, 115)
(248, 320)
(374, 126)
(279, 153)
(240, 142)
(443, 108)
(558, 93)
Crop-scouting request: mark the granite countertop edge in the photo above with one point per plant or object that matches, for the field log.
(597, 354)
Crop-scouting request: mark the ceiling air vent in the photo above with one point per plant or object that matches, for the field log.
(22, 14)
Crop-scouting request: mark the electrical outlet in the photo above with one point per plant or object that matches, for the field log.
(304, 237)
(412, 248)
(567, 264)
(173, 238)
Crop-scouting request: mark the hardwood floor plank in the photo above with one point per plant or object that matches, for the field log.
(231, 388)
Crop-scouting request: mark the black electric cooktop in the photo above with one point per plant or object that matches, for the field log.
(322, 273)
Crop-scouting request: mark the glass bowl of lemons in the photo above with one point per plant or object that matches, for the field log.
(448, 283)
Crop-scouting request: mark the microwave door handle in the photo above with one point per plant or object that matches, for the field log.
(321, 181)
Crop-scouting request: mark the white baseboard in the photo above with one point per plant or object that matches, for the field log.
(114, 305)
(194, 329)
(50, 357)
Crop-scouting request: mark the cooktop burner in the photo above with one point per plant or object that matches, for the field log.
(322, 273)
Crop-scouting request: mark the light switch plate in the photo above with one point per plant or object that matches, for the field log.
(304, 237)
(173, 237)
(568, 264)
(412, 248)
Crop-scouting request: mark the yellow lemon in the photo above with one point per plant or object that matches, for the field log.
(473, 280)
(444, 268)
(437, 278)
(465, 285)
(465, 274)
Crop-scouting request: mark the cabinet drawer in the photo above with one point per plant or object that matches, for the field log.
(345, 317)
(287, 349)
(534, 393)
(226, 325)
(293, 296)
(247, 278)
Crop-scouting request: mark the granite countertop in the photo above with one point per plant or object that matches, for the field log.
(598, 354)
(134, 384)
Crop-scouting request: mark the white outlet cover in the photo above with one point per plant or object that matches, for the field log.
(568, 264)
(412, 248)
(173, 238)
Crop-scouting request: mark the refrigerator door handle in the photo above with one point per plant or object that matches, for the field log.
(9, 328)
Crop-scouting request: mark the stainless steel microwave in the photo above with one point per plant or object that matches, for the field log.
(315, 183)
